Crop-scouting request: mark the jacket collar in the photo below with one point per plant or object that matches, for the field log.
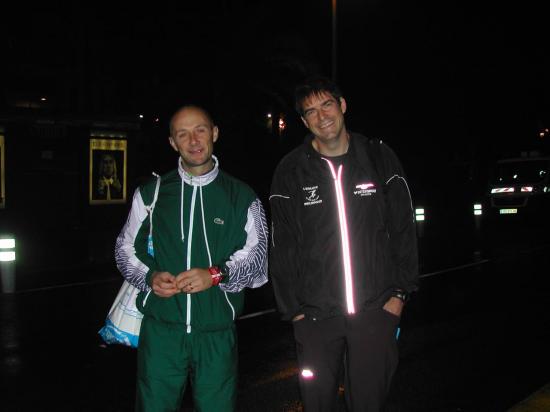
(202, 180)
(357, 151)
(352, 149)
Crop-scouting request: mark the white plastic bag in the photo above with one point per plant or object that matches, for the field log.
(124, 319)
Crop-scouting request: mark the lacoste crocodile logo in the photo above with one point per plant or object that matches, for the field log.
(218, 221)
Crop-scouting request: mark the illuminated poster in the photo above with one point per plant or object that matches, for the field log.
(2, 174)
(107, 171)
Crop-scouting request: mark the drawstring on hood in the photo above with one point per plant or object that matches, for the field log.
(181, 211)
(196, 181)
(204, 230)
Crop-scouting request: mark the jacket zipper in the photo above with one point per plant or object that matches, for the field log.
(348, 277)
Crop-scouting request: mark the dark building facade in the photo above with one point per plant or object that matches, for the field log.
(50, 175)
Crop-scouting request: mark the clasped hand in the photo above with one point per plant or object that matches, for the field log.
(194, 280)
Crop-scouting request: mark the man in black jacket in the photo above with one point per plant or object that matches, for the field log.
(343, 255)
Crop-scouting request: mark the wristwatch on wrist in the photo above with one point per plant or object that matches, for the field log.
(216, 274)
(400, 294)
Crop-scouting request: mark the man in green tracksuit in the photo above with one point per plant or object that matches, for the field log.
(209, 242)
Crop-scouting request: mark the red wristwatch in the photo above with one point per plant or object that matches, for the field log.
(217, 275)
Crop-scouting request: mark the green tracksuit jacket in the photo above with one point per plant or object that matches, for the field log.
(202, 221)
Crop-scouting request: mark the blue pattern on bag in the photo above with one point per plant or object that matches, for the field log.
(150, 249)
(111, 334)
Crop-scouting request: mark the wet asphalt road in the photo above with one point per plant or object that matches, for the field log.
(474, 338)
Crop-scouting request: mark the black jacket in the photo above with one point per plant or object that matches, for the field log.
(306, 256)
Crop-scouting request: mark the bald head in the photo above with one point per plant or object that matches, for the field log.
(190, 108)
(192, 135)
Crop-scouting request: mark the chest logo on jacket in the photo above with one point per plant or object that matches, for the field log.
(311, 195)
(364, 189)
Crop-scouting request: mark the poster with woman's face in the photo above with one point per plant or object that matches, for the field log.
(2, 174)
(107, 171)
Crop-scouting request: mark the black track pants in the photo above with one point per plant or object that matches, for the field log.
(365, 343)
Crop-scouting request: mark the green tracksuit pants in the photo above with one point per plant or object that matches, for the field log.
(167, 355)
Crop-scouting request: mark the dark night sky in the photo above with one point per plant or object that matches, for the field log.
(448, 85)
(426, 76)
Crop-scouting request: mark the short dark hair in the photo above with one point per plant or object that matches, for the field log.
(190, 106)
(314, 85)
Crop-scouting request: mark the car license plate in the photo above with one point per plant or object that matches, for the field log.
(508, 211)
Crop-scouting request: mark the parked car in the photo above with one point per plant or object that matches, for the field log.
(520, 185)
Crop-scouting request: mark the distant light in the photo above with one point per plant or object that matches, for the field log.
(269, 123)
(541, 134)
(156, 119)
(43, 99)
(7, 256)
(515, 176)
(419, 212)
(7, 243)
(478, 209)
(527, 189)
(307, 374)
(282, 124)
(141, 116)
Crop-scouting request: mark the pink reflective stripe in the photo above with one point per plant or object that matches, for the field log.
(344, 234)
